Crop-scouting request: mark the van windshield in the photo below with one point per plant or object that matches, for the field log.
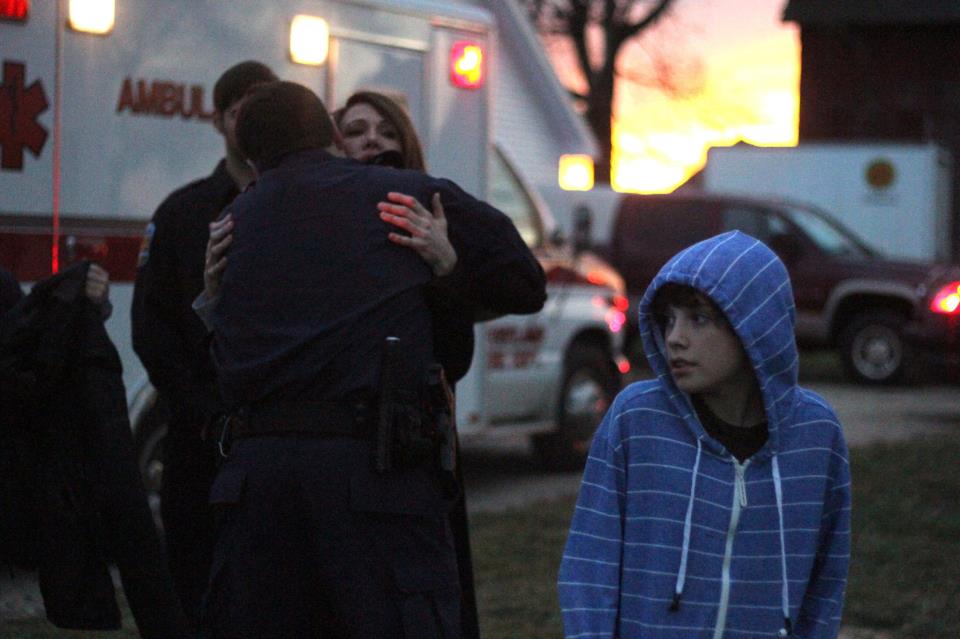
(827, 233)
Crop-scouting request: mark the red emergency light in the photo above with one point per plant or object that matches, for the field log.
(14, 9)
(466, 65)
(947, 300)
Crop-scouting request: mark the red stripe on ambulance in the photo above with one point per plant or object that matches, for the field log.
(25, 245)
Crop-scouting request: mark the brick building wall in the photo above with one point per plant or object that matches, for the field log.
(881, 78)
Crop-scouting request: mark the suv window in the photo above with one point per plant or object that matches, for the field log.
(507, 193)
(670, 225)
(651, 229)
(759, 223)
(829, 236)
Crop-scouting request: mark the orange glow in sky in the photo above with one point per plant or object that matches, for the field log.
(747, 66)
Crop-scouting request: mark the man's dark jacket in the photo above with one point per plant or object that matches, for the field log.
(71, 501)
(313, 285)
(169, 338)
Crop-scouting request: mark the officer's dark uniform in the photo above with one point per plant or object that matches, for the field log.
(314, 542)
(173, 345)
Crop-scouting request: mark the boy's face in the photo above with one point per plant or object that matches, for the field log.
(704, 354)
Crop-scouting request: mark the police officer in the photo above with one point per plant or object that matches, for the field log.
(173, 344)
(318, 538)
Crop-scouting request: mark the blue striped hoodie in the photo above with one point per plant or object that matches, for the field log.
(672, 537)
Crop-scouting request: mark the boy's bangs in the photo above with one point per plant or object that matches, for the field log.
(681, 296)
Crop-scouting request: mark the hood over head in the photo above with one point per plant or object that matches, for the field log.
(750, 284)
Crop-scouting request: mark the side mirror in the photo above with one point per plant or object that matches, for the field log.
(582, 229)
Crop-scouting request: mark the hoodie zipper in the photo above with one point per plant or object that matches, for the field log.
(739, 502)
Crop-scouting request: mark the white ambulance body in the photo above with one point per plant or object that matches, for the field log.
(97, 129)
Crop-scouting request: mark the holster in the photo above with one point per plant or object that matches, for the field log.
(415, 426)
(443, 410)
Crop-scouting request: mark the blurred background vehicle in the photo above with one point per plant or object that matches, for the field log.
(934, 330)
(849, 296)
(895, 196)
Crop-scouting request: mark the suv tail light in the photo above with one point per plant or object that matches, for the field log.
(615, 310)
(947, 300)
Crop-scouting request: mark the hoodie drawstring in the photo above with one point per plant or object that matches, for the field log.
(687, 526)
(787, 629)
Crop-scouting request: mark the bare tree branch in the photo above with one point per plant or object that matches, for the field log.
(617, 21)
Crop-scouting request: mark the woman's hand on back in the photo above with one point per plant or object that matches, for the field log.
(427, 230)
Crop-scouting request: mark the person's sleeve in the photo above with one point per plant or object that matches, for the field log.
(496, 273)
(589, 579)
(822, 606)
(158, 339)
(203, 306)
(10, 291)
(106, 310)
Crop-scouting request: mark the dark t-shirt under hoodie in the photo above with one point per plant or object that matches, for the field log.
(742, 441)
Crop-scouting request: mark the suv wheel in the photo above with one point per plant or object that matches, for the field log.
(589, 386)
(872, 348)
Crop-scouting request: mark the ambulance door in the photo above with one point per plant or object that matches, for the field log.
(27, 90)
(378, 50)
(457, 148)
(513, 345)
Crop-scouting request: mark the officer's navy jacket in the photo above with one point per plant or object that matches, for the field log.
(313, 286)
(71, 498)
(672, 537)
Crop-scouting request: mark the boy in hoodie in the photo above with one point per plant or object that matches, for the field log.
(716, 498)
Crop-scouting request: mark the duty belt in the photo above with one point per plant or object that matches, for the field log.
(318, 418)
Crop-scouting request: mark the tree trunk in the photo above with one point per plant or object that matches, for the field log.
(599, 115)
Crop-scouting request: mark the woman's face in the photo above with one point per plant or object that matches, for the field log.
(367, 134)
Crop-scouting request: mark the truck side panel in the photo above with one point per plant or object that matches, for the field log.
(892, 195)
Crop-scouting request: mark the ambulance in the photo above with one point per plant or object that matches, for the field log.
(106, 107)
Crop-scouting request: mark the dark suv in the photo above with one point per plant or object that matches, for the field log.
(847, 295)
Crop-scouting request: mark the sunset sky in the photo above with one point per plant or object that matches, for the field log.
(740, 65)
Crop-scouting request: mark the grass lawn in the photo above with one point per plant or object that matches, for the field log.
(905, 574)
(904, 579)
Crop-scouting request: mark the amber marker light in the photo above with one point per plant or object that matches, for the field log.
(309, 40)
(947, 299)
(576, 172)
(466, 65)
(92, 16)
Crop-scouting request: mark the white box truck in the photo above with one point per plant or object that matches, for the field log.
(105, 108)
(895, 196)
